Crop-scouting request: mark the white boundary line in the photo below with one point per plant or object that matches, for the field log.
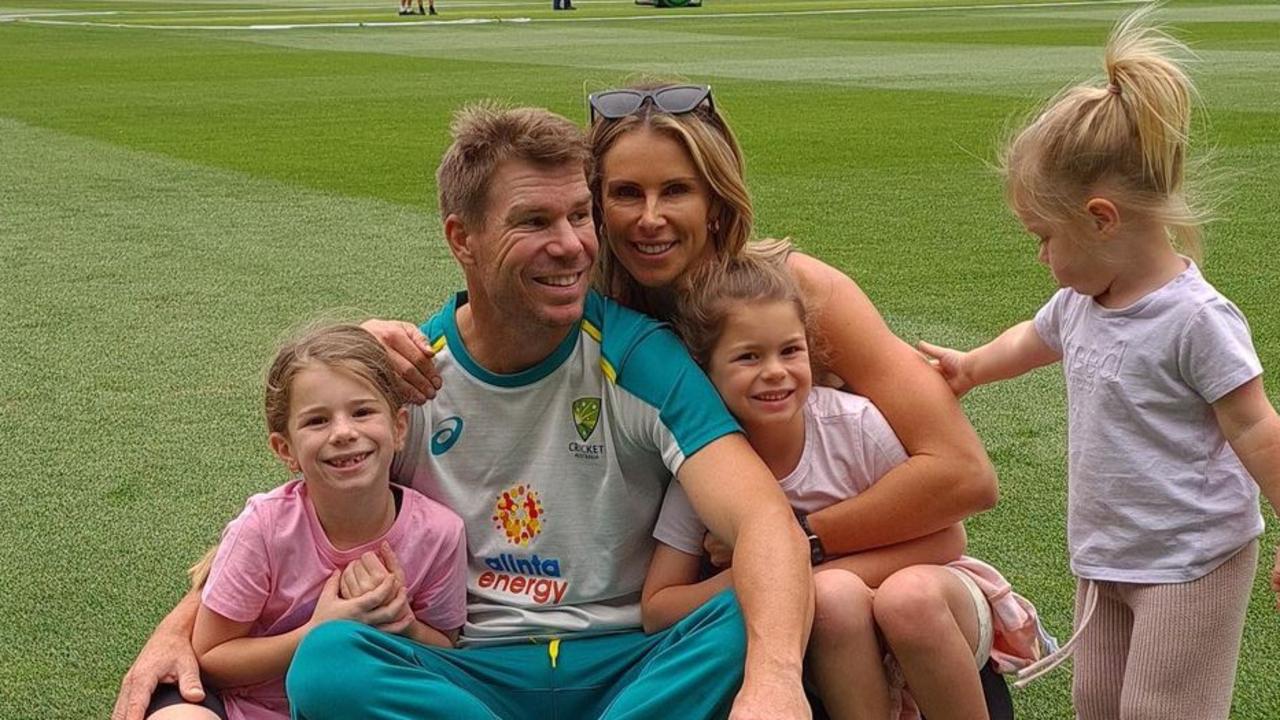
(660, 15)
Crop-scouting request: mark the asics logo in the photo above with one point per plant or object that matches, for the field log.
(448, 434)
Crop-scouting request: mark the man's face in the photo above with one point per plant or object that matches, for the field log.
(532, 259)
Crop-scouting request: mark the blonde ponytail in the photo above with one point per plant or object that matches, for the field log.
(1128, 138)
(1156, 94)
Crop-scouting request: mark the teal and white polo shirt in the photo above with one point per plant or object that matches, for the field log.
(559, 471)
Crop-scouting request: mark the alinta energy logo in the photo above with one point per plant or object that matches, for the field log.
(536, 577)
(586, 416)
(519, 514)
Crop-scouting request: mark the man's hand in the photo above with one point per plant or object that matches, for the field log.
(410, 355)
(166, 658)
(719, 554)
(771, 699)
(950, 363)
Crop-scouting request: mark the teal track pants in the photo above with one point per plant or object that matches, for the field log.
(345, 670)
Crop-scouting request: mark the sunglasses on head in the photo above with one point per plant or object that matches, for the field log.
(672, 99)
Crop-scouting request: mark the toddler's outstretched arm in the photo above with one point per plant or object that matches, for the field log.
(1016, 351)
(1252, 427)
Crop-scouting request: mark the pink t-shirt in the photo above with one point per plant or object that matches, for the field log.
(275, 558)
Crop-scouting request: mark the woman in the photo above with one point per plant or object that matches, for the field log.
(669, 193)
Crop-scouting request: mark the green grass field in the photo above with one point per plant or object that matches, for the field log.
(180, 184)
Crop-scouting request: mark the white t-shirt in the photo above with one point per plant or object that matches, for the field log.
(558, 471)
(1155, 493)
(848, 446)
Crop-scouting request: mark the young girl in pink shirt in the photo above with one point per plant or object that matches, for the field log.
(943, 617)
(339, 542)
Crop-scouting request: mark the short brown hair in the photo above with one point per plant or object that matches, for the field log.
(485, 135)
(343, 347)
(717, 288)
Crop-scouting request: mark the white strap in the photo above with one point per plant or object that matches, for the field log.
(1046, 664)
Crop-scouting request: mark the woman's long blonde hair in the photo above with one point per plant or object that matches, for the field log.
(1127, 139)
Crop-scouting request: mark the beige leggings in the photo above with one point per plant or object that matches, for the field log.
(1163, 651)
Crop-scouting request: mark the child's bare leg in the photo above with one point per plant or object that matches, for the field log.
(183, 712)
(927, 616)
(845, 659)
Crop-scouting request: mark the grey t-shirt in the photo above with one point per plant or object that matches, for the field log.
(1155, 493)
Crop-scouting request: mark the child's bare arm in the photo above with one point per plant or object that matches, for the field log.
(877, 564)
(1018, 350)
(231, 659)
(1251, 425)
(671, 588)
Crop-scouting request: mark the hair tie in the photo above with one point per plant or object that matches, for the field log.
(1113, 88)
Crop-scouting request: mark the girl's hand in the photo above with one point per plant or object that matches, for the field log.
(364, 573)
(949, 362)
(402, 624)
(1275, 578)
(385, 603)
(410, 355)
(719, 554)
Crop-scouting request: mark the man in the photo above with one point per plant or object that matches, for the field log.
(560, 419)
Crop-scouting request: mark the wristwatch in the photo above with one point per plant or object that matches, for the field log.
(817, 555)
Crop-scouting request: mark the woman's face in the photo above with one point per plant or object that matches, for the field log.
(656, 207)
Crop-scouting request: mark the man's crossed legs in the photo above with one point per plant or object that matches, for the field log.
(692, 670)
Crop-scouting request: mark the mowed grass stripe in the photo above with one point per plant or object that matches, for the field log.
(1230, 77)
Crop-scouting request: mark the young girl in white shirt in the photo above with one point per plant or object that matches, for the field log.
(1169, 426)
(744, 321)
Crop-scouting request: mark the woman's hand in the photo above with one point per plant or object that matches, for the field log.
(410, 355)
(951, 364)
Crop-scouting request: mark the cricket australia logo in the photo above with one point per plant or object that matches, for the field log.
(518, 514)
(586, 415)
